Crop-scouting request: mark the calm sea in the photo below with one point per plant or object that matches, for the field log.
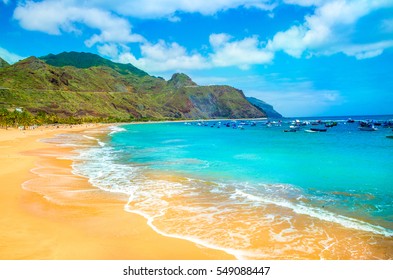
(253, 190)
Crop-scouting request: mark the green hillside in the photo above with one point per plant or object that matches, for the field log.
(87, 60)
(3, 63)
(74, 87)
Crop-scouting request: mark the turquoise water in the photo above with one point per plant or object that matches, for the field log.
(194, 180)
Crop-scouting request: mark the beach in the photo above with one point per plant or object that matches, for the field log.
(103, 192)
(83, 223)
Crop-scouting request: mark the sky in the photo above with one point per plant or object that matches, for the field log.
(305, 57)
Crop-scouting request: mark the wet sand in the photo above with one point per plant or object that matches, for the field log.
(48, 213)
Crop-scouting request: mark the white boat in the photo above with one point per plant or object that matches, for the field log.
(294, 127)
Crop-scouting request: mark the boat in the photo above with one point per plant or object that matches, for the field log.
(318, 122)
(388, 124)
(294, 127)
(310, 131)
(290, 130)
(370, 127)
(350, 120)
(318, 129)
(331, 124)
(389, 136)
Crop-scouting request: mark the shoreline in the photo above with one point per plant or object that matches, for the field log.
(38, 227)
(339, 231)
(54, 214)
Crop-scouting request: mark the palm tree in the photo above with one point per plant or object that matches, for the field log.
(3, 117)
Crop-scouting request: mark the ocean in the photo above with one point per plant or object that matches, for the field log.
(253, 190)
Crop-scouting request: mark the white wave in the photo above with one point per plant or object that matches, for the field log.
(116, 129)
(238, 254)
(320, 214)
(102, 144)
(98, 165)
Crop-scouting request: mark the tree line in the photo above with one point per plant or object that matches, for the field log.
(23, 118)
(26, 119)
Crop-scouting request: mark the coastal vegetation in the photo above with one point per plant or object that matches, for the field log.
(81, 87)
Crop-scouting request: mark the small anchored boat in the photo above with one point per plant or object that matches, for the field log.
(318, 129)
(368, 128)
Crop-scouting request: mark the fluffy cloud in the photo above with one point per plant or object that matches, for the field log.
(305, 3)
(242, 53)
(163, 57)
(159, 8)
(55, 17)
(171, 56)
(8, 56)
(329, 29)
(166, 8)
(367, 50)
(324, 32)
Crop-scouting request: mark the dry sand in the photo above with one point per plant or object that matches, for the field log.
(33, 225)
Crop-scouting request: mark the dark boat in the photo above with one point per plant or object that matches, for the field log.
(331, 124)
(369, 127)
(318, 129)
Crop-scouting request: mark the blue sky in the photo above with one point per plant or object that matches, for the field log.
(305, 57)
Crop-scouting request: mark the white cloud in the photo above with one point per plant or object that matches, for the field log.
(241, 53)
(174, 19)
(367, 50)
(289, 41)
(162, 8)
(219, 40)
(305, 3)
(55, 17)
(163, 57)
(329, 29)
(166, 8)
(9, 56)
(109, 50)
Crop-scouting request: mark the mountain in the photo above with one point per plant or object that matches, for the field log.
(179, 80)
(88, 60)
(267, 108)
(3, 63)
(83, 85)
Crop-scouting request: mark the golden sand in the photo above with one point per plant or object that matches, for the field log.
(84, 223)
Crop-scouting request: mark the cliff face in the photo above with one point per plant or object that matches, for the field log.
(267, 108)
(81, 84)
